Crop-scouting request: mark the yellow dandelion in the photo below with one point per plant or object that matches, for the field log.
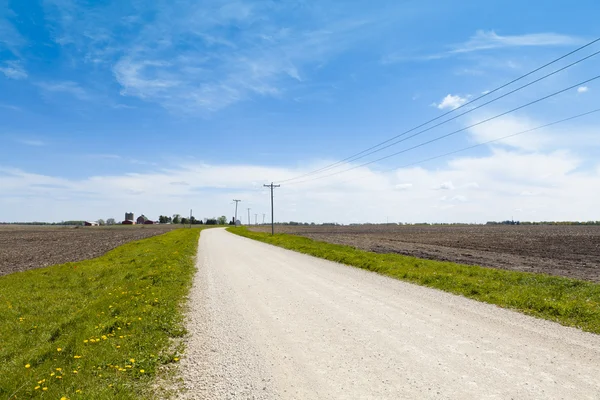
(176, 359)
(58, 377)
(27, 366)
(140, 318)
(132, 360)
(85, 341)
(142, 371)
(59, 369)
(59, 349)
(52, 374)
(118, 347)
(36, 388)
(76, 356)
(63, 398)
(78, 391)
(44, 388)
(74, 371)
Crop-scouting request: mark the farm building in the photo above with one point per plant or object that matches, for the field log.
(149, 222)
(141, 219)
(127, 222)
(88, 223)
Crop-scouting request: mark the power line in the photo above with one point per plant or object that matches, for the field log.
(369, 150)
(484, 143)
(451, 133)
(475, 108)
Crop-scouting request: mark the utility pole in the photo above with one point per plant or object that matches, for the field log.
(272, 218)
(264, 219)
(255, 219)
(235, 218)
(190, 217)
(249, 217)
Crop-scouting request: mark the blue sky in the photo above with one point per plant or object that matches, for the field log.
(158, 107)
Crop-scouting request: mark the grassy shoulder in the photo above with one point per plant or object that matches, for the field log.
(567, 301)
(98, 328)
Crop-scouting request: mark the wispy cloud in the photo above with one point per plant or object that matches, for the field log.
(489, 40)
(31, 142)
(10, 107)
(200, 57)
(13, 70)
(68, 87)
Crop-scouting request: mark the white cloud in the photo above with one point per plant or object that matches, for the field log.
(404, 186)
(559, 190)
(13, 70)
(582, 89)
(446, 186)
(451, 101)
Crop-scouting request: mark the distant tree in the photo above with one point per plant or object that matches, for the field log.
(185, 221)
(222, 220)
(193, 220)
(176, 218)
(101, 222)
(110, 221)
(211, 221)
(163, 219)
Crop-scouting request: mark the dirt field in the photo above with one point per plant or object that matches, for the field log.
(28, 247)
(571, 251)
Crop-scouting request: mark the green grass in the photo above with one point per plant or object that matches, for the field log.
(96, 329)
(567, 301)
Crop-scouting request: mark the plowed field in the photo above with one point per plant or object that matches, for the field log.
(28, 247)
(570, 251)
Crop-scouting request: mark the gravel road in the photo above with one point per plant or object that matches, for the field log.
(267, 323)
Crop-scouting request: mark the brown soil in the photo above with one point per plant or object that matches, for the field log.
(29, 247)
(570, 251)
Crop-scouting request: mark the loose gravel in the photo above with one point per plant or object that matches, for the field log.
(268, 323)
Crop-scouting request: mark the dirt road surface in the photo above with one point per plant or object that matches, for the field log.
(268, 323)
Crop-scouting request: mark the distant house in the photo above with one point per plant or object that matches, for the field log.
(88, 223)
(127, 222)
(141, 220)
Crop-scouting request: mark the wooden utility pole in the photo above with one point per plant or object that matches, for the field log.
(272, 218)
(235, 217)
(255, 219)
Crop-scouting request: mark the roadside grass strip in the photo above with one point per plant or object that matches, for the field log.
(569, 302)
(96, 329)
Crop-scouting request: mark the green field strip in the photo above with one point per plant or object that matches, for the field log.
(96, 329)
